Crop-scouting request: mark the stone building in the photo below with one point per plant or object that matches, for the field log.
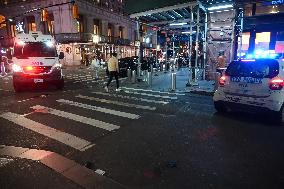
(98, 26)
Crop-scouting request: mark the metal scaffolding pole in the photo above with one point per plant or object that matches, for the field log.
(138, 39)
(232, 40)
(196, 43)
(241, 32)
(205, 43)
(190, 47)
(173, 46)
(190, 37)
(156, 47)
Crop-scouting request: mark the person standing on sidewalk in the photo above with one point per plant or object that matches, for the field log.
(96, 66)
(113, 69)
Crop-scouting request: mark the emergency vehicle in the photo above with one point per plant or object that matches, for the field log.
(35, 61)
(254, 84)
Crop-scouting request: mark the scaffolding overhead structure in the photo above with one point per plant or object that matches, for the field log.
(188, 19)
(209, 25)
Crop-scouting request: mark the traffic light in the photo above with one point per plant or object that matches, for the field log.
(75, 11)
(44, 15)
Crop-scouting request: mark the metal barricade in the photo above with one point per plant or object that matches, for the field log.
(133, 79)
(129, 74)
(173, 81)
(149, 78)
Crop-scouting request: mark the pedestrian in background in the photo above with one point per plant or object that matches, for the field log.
(96, 66)
(112, 65)
(221, 64)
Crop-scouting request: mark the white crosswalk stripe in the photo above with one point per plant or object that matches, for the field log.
(117, 103)
(131, 98)
(65, 138)
(99, 109)
(76, 142)
(150, 95)
(78, 118)
(153, 91)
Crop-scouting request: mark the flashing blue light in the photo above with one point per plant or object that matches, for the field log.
(250, 56)
(272, 55)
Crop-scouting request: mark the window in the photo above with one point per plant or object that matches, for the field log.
(37, 49)
(2, 19)
(109, 31)
(96, 27)
(120, 32)
(257, 69)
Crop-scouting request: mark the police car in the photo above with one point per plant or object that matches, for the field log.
(254, 84)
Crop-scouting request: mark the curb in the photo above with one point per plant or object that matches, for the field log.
(73, 171)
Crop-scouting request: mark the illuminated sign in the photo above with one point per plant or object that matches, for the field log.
(276, 2)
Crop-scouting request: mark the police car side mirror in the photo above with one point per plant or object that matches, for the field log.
(61, 55)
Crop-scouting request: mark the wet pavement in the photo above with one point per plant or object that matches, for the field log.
(147, 138)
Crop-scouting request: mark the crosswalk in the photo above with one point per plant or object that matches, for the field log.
(87, 111)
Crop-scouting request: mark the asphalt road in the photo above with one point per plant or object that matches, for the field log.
(141, 139)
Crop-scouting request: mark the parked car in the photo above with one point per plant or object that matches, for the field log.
(254, 85)
(126, 63)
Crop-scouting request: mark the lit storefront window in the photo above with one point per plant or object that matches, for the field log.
(2, 19)
(245, 42)
(262, 40)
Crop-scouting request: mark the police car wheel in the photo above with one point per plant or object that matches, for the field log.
(220, 107)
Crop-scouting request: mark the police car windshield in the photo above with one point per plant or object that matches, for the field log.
(262, 68)
(34, 49)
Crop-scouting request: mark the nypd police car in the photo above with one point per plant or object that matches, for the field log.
(253, 85)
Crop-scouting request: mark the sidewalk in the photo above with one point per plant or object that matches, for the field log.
(161, 81)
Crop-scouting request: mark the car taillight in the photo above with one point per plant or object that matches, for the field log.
(276, 84)
(222, 81)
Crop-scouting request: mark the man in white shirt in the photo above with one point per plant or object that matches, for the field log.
(113, 69)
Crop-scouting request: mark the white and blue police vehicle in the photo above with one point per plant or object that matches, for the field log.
(254, 84)
(35, 61)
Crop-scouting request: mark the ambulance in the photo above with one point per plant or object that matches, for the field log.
(36, 62)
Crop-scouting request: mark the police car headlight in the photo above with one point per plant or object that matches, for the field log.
(17, 68)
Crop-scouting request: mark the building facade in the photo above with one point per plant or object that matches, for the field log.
(82, 29)
(263, 27)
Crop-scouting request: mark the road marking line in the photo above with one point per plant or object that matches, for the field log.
(65, 138)
(99, 109)
(117, 103)
(151, 95)
(131, 98)
(149, 90)
(78, 118)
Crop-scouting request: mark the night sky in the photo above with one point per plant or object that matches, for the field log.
(134, 6)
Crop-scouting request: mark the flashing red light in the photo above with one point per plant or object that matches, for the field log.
(222, 81)
(276, 84)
